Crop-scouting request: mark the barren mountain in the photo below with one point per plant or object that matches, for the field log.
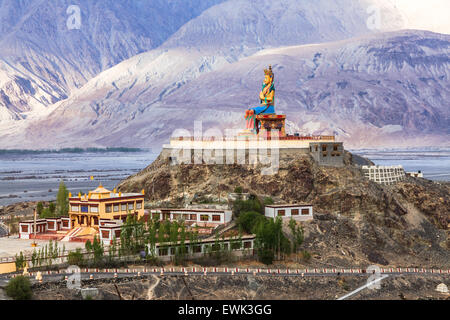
(63, 60)
(388, 89)
(42, 60)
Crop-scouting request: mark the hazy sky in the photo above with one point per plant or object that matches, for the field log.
(433, 15)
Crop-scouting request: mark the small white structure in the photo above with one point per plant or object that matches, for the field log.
(26, 228)
(301, 212)
(109, 229)
(384, 174)
(415, 174)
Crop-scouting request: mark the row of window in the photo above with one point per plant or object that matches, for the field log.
(294, 212)
(324, 147)
(191, 217)
(124, 207)
(84, 208)
(207, 247)
(112, 207)
(333, 154)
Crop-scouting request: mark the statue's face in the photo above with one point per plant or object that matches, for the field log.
(267, 79)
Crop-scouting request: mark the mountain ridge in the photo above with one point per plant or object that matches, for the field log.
(334, 91)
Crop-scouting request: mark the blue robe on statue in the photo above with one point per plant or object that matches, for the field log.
(263, 109)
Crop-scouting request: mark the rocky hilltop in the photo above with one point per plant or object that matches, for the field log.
(357, 222)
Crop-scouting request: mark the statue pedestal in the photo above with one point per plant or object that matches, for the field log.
(270, 122)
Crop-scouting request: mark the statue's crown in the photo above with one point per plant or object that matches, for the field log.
(269, 71)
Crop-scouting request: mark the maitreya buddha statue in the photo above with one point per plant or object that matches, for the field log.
(267, 99)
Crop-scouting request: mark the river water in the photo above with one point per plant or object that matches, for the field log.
(34, 177)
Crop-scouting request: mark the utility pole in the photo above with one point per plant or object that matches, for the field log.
(34, 241)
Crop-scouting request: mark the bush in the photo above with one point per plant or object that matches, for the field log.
(306, 255)
(252, 204)
(19, 288)
(75, 258)
(248, 221)
(268, 201)
(238, 190)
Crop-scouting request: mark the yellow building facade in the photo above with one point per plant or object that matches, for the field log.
(102, 204)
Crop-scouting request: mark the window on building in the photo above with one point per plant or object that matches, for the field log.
(139, 205)
(94, 209)
(74, 208)
(123, 207)
(117, 234)
(105, 234)
(294, 212)
(204, 217)
(305, 212)
(247, 244)
(225, 246)
(163, 251)
(185, 216)
(216, 217)
(116, 208)
(324, 147)
(193, 217)
(131, 206)
(24, 228)
(317, 148)
(216, 247)
(196, 249)
(108, 208)
(281, 213)
(236, 245)
(335, 147)
(172, 251)
(85, 209)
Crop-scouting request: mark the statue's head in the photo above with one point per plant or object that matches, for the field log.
(268, 78)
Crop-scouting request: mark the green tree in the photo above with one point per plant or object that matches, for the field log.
(297, 232)
(248, 221)
(252, 204)
(97, 248)
(271, 241)
(20, 261)
(62, 200)
(75, 258)
(34, 258)
(45, 213)
(52, 208)
(268, 201)
(19, 288)
(39, 208)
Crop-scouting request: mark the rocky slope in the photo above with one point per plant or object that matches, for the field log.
(248, 288)
(357, 221)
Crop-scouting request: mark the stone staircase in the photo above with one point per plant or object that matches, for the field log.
(72, 233)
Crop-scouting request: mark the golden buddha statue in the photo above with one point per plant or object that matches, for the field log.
(267, 100)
